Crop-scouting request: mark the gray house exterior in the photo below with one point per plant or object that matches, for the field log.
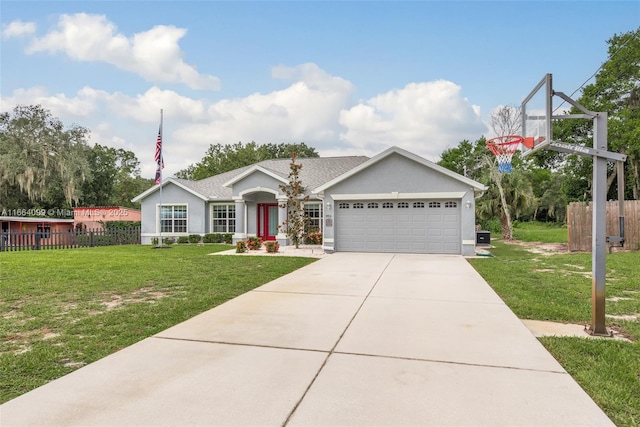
(393, 202)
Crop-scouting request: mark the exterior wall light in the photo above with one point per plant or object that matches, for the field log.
(468, 204)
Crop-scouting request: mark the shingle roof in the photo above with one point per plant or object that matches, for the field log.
(315, 172)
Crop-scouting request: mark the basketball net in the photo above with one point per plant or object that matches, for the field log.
(504, 148)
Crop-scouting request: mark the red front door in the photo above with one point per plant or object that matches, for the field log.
(267, 221)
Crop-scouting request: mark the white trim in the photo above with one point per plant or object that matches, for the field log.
(397, 150)
(468, 242)
(321, 211)
(259, 189)
(158, 219)
(327, 240)
(174, 182)
(252, 170)
(211, 218)
(399, 196)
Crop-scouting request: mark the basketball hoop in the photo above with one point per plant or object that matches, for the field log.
(504, 147)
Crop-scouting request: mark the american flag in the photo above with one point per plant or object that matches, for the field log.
(158, 157)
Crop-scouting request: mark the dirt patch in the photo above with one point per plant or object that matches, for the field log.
(540, 248)
(147, 295)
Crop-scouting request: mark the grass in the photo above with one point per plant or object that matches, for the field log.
(544, 232)
(63, 309)
(557, 288)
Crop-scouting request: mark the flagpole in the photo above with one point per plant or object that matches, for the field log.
(159, 166)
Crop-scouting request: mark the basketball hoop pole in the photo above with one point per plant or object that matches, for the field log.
(599, 228)
(600, 157)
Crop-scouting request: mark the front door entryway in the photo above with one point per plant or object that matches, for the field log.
(267, 221)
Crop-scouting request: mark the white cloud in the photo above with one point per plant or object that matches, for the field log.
(425, 118)
(59, 104)
(154, 54)
(306, 111)
(18, 29)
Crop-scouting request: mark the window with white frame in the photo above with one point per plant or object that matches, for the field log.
(418, 205)
(450, 204)
(343, 205)
(403, 205)
(387, 205)
(313, 211)
(358, 205)
(173, 218)
(372, 205)
(223, 218)
(434, 204)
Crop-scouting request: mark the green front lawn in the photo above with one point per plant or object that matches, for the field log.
(63, 309)
(544, 232)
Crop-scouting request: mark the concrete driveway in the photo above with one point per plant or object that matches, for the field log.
(353, 339)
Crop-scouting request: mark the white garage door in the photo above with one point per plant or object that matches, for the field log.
(403, 226)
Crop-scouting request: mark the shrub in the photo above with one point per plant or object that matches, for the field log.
(218, 238)
(183, 239)
(492, 225)
(194, 238)
(168, 240)
(213, 238)
(272, 246)
(254, 243)
(154, 241)
(241, 247)
(313, 238)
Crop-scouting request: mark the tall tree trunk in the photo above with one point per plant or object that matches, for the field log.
(506, 224)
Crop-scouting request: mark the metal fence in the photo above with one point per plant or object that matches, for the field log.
(579, 224)
(37, 240)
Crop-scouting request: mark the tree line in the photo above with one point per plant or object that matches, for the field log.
(45, 165)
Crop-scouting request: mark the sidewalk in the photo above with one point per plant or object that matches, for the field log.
(352, 339)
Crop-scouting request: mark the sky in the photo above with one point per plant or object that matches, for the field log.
(344, 77)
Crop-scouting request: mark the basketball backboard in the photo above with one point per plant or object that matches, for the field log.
(536, 111)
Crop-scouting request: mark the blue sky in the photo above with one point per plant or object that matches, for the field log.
(344, 77)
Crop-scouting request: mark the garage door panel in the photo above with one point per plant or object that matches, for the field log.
(450, 233)
(434, 232)
(418, 229)
(419, 233)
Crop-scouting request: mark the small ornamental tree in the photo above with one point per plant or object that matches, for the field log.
(296, 219)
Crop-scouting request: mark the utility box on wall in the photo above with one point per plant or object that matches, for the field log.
(483, 237)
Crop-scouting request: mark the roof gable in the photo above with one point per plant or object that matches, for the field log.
(177, 182)
(251, 170)
(396, 150)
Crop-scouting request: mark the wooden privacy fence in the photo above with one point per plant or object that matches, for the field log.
(579, 226)
(36, 240)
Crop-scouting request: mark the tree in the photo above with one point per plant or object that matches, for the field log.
(296, 219)
(115, 179)
(616, 91)
(38, 155)
(221, 158)
(515, 192)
